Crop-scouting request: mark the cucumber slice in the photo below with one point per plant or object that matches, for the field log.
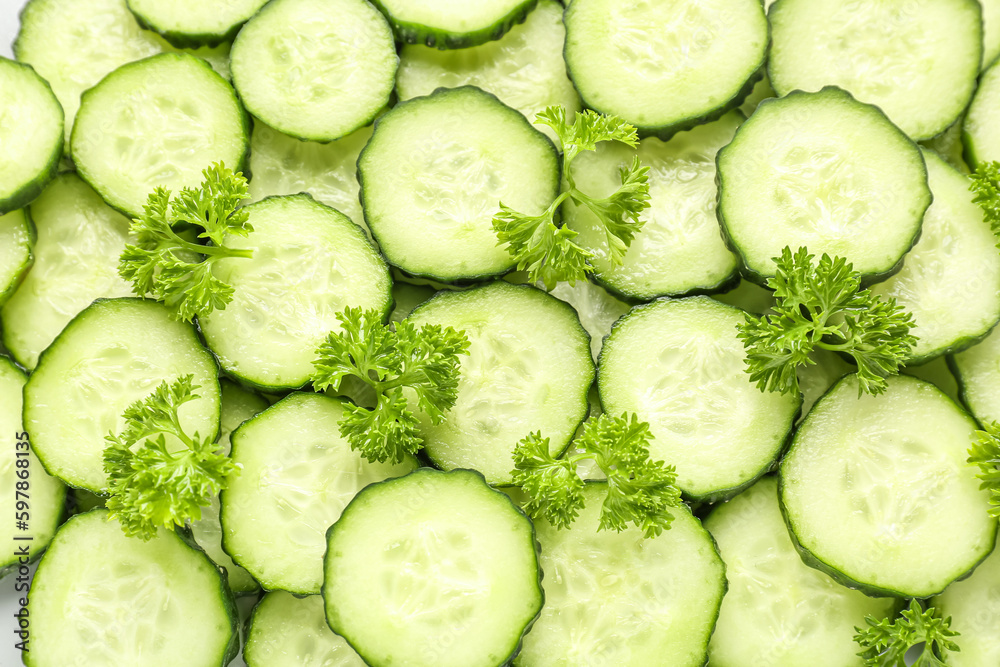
(678, 365)
(915, 59)
(315, 69)
(284, 165)
(194, 23)
(623, 57)
(31, 133)
(287, 631)
(597, 309)
(112, 354)
(453, 24)
(80, 239)
(42, 503)
(528, 369)
(950, 278)
(298, 475)
(101, 598)
(238, 406)
(524, 68)
(980, 133)
(619, 599)
(309, 263)
(679, 249)
(17, 236)
(434, 174)
(991, 31)
(777, 610)
(978, 372)
(877, 492)
(825, 171)
(73, 44)
(432, 569)
(974, 608)
(157, 123)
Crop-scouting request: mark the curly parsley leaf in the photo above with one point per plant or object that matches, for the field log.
(640, 491)
(985, 453)
(885, 643)
(162, 482)
(423, 360)
(822, 307)
(174, 270)
(985, 183)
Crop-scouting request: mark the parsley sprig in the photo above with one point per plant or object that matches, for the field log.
(885, 643)
(424, 360)
(546, 249)
(162, 483)
(821, 306)
(985, 453)
(985, 184)
(175, 270)
(640, 491)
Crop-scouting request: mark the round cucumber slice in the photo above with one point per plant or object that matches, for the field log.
(877, 492)
(17, 236)
(155, 123)
(977, 370)
(112, 354)
(974, 608)
(288, 631)
(453, 24)
(991, 31)
(434, 569)
(980, 133)
(193, 23)
(315, 69)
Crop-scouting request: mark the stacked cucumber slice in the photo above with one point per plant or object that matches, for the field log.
(408, 180)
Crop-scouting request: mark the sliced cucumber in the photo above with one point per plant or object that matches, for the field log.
(596, 309)
(80, 239)
(980, 133)
(950, 280)
(112, 354)
(298, 475)
(679, 249)
(777, 610)
(101, 598)
(288, 631)
(448, 24)
(877, 492)
(157, 123)
(991, 31)
(915, 59)
(974, 608)
(825, 171)
(623, 57)
(193, 23)
(31, 133)
(315, 69)
(284, 165)
(309, 263)
(434, 569)
(435, 172)
(528, 369)
(17, 236)
(524, 68)
(978, 372)
(678, 365)
(619, 599)
(41, 502)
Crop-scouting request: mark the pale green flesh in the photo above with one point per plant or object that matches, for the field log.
(80, 239)
(878, 488)
(978, 370)
(824, 171)
(528, 369)
(623, 57)
(748, 296)
(157, 123)
(679, 248)
(287, 631)
(309, 263)
(458, 16)
(991, 31)
(31, 129)
(101, 598)
(938, 374)
(45, 494)
(406, 298)
(974, 608)
(777, 610)
(762, 90)
(114, 353)
(298, 475)
(950, 280)
(195, 17)
(981, 131)
(15, 251)
(435, 172)
(316, 69)
(916, 59)
(678, 365)
(284, 165)
(597, 309)
(620, 599)
(815, 379)
(524, 68)
(429, 561)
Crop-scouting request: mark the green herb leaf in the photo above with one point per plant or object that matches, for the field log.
(986, 186)
(885, 644)
(985, 453)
